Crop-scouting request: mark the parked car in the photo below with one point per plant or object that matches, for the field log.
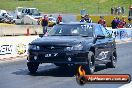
(18, 12)
(5, 17)
(51, 22)
(29, 16)
(2, 12)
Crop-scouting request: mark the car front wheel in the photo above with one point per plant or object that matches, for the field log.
(90, 66)
(32, 67)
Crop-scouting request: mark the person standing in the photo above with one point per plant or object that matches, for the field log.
(116, 10)
(102, 21)
(112, 10)
(59, 19)
(130, 14)
(114, 23)
(87, 18)
(45, 24)
(82, 19)
(122, 23)
(123, 10)
(118, 20)
(119, 10)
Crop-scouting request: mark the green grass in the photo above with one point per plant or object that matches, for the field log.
(67, 6)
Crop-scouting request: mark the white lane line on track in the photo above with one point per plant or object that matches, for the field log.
(129, 85)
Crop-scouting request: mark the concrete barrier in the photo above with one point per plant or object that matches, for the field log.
(15, 46)
(20, 29)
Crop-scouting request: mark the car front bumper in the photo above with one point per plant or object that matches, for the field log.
(62, 58)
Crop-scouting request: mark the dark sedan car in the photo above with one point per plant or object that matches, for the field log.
(86, 44)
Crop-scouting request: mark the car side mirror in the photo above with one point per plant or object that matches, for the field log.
(100, 37)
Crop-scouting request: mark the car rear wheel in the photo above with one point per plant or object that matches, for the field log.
(112, 63)
(32, 67)
(90, 66)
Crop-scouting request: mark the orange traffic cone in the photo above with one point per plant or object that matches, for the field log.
(36, 33)
(28, 33)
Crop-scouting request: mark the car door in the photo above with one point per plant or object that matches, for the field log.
(101, 44)
(109, 41)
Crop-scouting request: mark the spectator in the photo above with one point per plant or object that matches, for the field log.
(130, 6)
(59, 19)
(112, 10)
(123, 10)
(114, 23)
(87, 18)
(119, 10)
(118, 20)
(45, 24)
(82, 19)
(116, 10)
(102, 21)
(130, 11)
(122, 23)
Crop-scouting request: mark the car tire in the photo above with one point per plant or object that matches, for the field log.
(32, 67)
(112, 63)
(90, 66)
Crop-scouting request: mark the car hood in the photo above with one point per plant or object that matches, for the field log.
(61, 40)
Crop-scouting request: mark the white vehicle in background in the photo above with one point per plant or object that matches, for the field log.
(34, 12)
(18, 12)
(28, 16)
(2, 14)
(5, 17)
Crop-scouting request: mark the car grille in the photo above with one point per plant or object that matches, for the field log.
(51, 48)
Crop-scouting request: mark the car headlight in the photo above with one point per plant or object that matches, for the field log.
(34, 47)
(75, 47)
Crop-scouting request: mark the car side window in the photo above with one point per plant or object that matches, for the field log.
(23, 11)
(105, 32)
(98, 30)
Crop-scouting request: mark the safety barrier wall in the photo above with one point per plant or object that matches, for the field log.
(14, 46)
(19, 29)
(17, 46)
(121, 33)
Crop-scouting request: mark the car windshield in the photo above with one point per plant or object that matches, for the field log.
(72, 30)
(19, 9)
(35, 12)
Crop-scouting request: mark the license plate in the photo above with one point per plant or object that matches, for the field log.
(48, 55)
(51, 55)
